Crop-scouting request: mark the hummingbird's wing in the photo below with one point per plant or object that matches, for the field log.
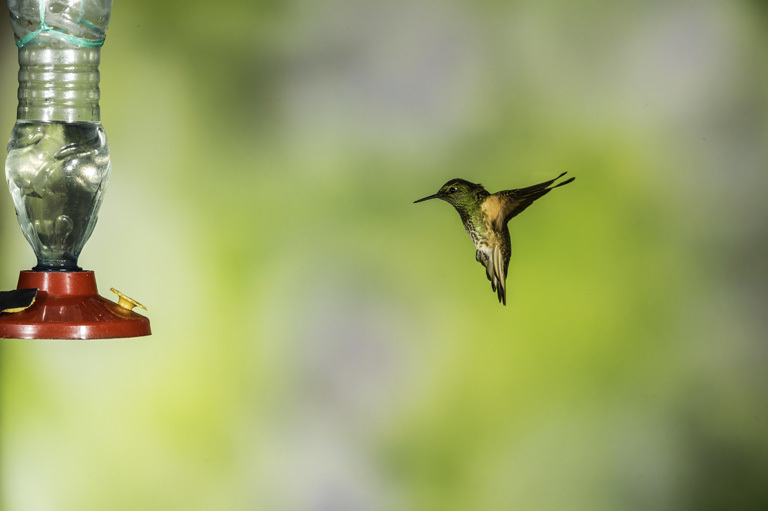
(514, 202)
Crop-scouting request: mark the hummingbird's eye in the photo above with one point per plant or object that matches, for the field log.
(452, 189)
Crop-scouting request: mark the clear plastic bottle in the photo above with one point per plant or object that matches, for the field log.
(58, 157)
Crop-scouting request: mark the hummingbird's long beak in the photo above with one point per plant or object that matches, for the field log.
(435, 196)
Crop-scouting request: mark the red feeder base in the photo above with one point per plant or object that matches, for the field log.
(68, 306)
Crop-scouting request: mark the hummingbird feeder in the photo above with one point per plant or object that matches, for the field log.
(57, 169)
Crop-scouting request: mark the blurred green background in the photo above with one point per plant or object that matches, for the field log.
(322, 344)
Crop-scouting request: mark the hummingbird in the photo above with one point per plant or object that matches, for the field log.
(485, 216)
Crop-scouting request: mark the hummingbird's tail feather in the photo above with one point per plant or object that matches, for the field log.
(495, 270)
(500, 273)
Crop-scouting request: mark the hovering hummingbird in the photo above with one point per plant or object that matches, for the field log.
(485, 216)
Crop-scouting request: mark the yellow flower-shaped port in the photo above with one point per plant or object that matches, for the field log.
(126, 302)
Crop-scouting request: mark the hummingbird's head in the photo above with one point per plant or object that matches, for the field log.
(458, 193)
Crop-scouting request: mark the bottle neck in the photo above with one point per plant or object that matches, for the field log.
(58, 84)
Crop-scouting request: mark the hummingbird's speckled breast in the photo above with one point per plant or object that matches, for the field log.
(480, 226)
(480, 230)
